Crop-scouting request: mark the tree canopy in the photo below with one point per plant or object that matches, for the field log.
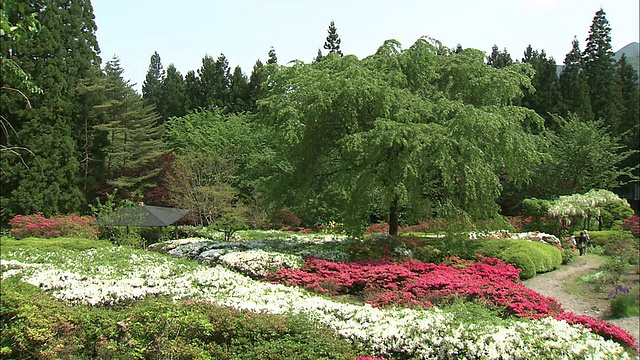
(412, 133)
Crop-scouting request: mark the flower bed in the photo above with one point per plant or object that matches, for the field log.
(412, 283)
(116, 275)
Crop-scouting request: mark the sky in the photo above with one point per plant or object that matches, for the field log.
(183, 32)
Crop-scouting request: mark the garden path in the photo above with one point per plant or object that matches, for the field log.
(553, 284)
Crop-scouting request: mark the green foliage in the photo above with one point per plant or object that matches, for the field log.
(624, 302)
(229, 224)
(583, 156)
(108, 213)
(530, 256)
(333, 40)
(53, 245)
(522, 261)
(36, 325)
(398, 134)
(612, 213)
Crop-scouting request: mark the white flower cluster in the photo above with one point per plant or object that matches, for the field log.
(259, 263)
(425, 334)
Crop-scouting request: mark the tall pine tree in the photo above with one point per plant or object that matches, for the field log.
(64, 51)
(599, 66)
(333, 40)
(172, 97)
(135, 144)
(573, 85)
(153, 80)
(498, 59)
(545, 100)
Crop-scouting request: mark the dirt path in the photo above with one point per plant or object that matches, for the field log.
(552, 284)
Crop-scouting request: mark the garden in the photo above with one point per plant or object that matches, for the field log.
(306, 293)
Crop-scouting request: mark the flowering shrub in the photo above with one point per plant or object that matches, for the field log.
(121, 274)
(624, 302)
(632, 224)
(259, 263)
(36, 225)
(415, 284)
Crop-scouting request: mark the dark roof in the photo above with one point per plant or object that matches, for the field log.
(144, 215)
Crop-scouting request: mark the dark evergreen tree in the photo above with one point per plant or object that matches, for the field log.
(318, 57)
(62, 52)
(498, 59)
(239, 91)
(273, 58)
(134, 136)
(333, 40)
(545, 100)
(628, 128)
(172, 97)
(151, 84)
(573, 85)
(256, 92)
(214, 80)
(600, 71)
(193, 91)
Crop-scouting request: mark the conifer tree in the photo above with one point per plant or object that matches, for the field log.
(256, 92)
(628, 128)
(214, 80)
(318, 57)
(134, 136)
(545, 100)
(192, 91)
(151, 84)
(573, 85)
(239, 92)
(333, 40)
(273, 58)
(600, 71)
(172, 97)
(62, 52)
(498, 59)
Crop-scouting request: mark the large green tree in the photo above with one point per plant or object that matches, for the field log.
(573, 85)
(172, 97)
(583, 156)
(599, 67)
(64, 51)
(499, 59)
(402, 133)
(153, 81)
(134, 136)
(545, 96)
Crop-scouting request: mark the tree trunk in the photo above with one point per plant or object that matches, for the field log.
(393, 217)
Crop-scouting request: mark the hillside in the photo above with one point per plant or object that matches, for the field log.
(632, 52)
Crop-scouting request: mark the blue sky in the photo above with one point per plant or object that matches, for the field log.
(184, 31)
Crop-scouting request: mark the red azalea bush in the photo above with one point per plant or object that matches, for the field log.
(632, 224)
(418, 284)
(36, 225)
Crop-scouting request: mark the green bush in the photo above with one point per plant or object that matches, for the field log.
(611, 237)
(35, 325)
(624, 302)
(543, 257)
(522, 261)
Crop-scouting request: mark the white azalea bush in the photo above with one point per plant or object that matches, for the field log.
(259, 263)
(110, 276)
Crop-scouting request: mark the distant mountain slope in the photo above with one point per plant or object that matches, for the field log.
(632, 53)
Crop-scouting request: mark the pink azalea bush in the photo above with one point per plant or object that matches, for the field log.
(412, 283)
(36, 225)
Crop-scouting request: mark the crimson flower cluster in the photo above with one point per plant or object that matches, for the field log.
(36, 225)
(412, 283)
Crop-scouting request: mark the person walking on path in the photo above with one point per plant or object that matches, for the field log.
(582, 243)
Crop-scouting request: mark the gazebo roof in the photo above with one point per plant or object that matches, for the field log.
(145, 215)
